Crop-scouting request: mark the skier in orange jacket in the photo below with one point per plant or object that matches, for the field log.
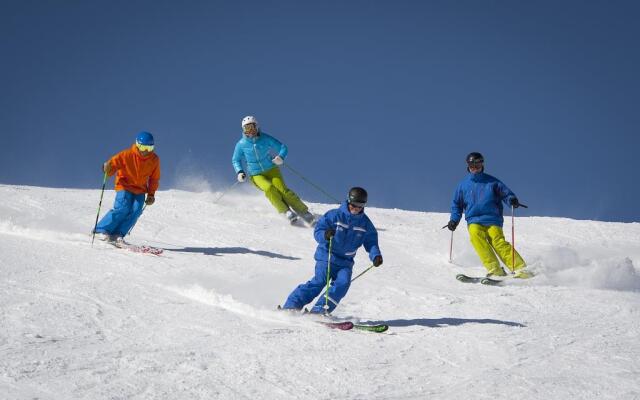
(137, 172)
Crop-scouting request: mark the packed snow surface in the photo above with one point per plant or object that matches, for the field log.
(198, 322)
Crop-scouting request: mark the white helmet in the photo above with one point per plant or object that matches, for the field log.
(250, 119)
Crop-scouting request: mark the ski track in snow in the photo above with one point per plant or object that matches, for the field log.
(199, 322)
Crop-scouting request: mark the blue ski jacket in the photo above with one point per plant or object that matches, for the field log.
(257, 153)
(352, 231)
(480, 197)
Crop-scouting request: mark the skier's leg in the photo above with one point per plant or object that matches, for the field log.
(480, 241)
(304, 293)
(112, 220)
(136, 211)
(288, 195)
(263, 182)
(503, 248)
(340, 282)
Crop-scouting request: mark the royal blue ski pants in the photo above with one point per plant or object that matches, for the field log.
(127, 208)
(306, 292)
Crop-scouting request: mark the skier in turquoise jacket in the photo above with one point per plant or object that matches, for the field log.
(262, 155)
(339, 233)
(481, 196)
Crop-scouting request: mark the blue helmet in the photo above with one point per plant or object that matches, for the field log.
(144, 138)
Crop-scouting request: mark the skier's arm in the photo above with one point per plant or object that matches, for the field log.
(371, 242)
(457, 205)
(154, 180)
(236, 159)
(278, 146)
(505, 193)
(115, 163)
(324, 223)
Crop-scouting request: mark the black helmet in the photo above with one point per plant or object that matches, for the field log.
(474, 158)
(357, 196)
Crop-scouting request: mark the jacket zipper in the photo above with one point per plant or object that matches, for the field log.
(255, 150)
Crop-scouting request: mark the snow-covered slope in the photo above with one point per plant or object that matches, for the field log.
(83, 322)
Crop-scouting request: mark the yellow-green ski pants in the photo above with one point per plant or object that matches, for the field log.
(274, 188)
(489, 241)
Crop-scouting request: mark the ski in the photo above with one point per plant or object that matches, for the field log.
(378, 328)
(491, 282)
(137, 249)
(468, 279)
(478, 279)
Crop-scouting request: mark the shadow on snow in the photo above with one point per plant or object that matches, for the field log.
(215, 251)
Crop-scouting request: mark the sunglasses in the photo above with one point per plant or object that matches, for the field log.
(144, 147)
(475, 163)
(357, 205)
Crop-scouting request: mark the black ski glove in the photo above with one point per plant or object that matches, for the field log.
(150, 200)
(514, 202)
(377, 261)
(328, 234)
(452, 225)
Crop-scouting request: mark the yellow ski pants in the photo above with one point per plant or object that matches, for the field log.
(489, 241)
(274, 188)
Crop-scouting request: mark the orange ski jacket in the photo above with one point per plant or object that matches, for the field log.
(136, 173)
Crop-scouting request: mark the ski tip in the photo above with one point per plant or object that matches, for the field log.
(343, 326)
(491, 282)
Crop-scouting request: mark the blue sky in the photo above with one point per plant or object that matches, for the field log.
(386, 95)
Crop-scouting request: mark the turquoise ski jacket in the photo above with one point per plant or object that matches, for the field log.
(257, 153)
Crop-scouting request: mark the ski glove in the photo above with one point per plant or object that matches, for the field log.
(377, 261)
(150, 200)
(277, 160)
(106, 167)
(329, 233)
(452, 225)
(242, 176)
(514, 202)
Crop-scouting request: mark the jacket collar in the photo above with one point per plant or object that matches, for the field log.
(477, 177)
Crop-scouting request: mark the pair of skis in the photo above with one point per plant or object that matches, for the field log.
(348, 325)
(137, 248)
(343, 325)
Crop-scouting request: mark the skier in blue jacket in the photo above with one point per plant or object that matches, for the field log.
(262, 155)
(339, 233)
(480, 197)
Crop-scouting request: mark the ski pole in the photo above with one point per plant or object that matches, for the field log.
(104, 183)
(451, 249)
(450, 246)
(225, 192)
(311, 183)
(326, 292)
(513, 240)
(362, 273)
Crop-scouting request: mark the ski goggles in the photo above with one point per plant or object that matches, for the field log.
(250, 128)
(357, 204)
(475, 163)
(144, 147)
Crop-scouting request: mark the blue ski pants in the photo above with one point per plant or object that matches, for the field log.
(306, 292)
(127, 208)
